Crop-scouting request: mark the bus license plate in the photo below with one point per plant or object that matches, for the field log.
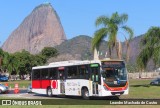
(115, 82)
(117, 94)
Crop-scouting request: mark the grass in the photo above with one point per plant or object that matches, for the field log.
(139, 89)
(21, 83)
(139, 81)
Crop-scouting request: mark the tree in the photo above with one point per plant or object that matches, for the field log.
(132, 67)
(150, 45)
(127, 42)
(38, 59)
(10, 62)
(24, 62)
(1, 56)
(110, 28)
(49, 52)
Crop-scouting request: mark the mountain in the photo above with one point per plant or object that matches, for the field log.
(134, 48)
(78, 46)
(40, 29)
(81, 46)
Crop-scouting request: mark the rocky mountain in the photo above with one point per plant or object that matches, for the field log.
(40, 29)
(134, 48)
(80, 47)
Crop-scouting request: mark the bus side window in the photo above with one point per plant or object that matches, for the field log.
(72, 72)
(52, 73)
(44, 74)
(83, 72)
(36, 74)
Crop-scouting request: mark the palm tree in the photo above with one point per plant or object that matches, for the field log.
(127, 42)
(150, 48)
(111, 26)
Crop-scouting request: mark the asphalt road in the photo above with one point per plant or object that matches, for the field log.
(23, 94)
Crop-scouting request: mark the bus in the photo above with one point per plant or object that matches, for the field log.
(96, 78)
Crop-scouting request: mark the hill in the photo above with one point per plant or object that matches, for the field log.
(40, 29)
(80, 47)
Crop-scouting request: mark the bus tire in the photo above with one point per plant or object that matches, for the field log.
(49, 92)
(85, 93)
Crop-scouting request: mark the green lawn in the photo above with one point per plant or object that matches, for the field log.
(21, 83)
(141, 89)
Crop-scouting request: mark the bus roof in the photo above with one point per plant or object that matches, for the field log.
(73, 62)
(108, 59)
(66, 63)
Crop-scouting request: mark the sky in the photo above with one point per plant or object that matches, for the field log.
(78, 16)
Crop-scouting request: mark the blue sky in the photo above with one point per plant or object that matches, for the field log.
(78, 16)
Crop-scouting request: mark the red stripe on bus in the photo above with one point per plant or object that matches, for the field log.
(36, 83)
(45, 84)
(41, 84)
(116, 88)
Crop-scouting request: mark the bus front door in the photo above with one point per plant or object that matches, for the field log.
(95, 80)
(62, 80)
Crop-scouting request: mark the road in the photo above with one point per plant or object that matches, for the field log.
(23, 94)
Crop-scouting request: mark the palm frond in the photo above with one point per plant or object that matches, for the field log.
(112, 39)
(123, 18)
(110, 27)
(129, 31)
(115, 18)
(151, 46)
(156, 55)
(102, 20)
(144, 57)
(153, 36)
(99, 35)
(119, 19)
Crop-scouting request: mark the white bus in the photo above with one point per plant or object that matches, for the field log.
(99, 78)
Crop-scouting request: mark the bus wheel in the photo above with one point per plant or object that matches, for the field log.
(85, 93)
(49, 92)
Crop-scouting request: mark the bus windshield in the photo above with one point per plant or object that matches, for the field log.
(114, 75)
(111, 74)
